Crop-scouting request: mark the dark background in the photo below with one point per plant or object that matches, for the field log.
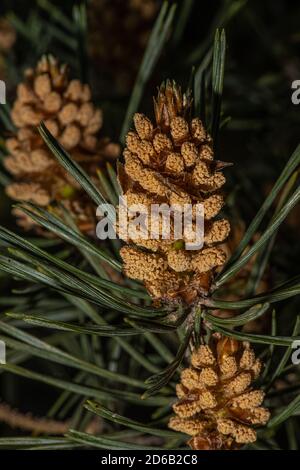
(262, 60)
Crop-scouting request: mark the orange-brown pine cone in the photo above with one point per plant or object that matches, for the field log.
(236, 288)
(118, 34)
(217, 405)
(48, 95)
(172, 162)
(7, 35)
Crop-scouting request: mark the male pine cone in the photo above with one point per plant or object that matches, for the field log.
(173, 162)
(7, 39)
(118, 34)
(65, 106)
(217, 405)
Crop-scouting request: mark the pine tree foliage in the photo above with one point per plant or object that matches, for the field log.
(112, 358)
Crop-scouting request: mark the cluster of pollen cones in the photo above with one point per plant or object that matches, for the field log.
(172, 162)
(7, 40)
